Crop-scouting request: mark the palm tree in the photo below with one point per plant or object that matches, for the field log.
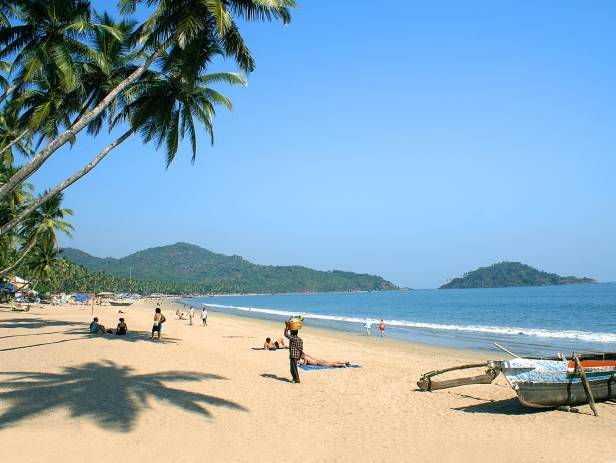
(48, 31)
(13, 136)
(163, 110)
(172, 21)
(116, 60)
(41, 262)
(45, 107)
(41, 228)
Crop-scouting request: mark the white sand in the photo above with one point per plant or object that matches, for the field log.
(203, 395)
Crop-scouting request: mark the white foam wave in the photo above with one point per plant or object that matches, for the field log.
(588, 336)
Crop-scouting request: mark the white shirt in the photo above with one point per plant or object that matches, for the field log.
(204, 314)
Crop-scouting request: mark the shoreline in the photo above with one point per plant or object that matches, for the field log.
(401, 344)
(474, 334)
(404, 344)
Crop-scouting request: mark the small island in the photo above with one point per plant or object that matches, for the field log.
(510, 274)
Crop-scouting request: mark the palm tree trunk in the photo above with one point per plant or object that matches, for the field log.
(22, 257)
(15, 140)
(65, 184)
(84, 110)
(37, 160)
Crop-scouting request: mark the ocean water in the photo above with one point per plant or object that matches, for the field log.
(534, 320)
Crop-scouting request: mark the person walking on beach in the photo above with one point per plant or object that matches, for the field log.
(159, 319)
(382, 327)
(191, 315)
(368, 326)
(204, 317)
(296, 351)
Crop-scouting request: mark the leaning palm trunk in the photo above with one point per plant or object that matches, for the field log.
(21, 258)
(15, 140)
(65, 184)
(36, 161)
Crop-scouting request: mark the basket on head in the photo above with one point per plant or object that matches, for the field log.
(295, 324)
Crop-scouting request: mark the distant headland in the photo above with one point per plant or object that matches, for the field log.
(510, 274)
(184, 268)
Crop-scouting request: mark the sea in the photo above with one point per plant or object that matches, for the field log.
(540, 321)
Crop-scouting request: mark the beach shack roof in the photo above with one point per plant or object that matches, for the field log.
(104, 293)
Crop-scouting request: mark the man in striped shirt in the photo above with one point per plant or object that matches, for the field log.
(296, 351)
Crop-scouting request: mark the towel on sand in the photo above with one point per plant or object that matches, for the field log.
(319, 367)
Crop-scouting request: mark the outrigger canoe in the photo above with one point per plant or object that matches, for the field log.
(541, 382)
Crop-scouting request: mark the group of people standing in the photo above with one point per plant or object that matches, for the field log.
(191, 315)
(157, 326)
(368, 326)
(159, 318)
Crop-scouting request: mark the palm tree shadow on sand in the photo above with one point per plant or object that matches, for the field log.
(112, 396)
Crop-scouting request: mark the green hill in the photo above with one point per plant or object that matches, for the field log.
(507, 274)
(206, 271)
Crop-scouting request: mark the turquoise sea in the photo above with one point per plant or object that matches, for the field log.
(535, 320)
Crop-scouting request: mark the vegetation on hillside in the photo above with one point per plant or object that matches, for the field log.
(507, 274)
(190, 268)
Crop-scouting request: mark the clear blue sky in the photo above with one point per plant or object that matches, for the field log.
(416, 140)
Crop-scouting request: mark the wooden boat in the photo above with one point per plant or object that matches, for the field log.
(542, 382)
(556, 382)
(121, 303)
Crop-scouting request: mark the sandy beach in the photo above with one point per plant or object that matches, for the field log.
(203, 394)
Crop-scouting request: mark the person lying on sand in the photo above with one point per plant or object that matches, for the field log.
(180, 315)
(96, 327)
(310, 360)
(279, 344)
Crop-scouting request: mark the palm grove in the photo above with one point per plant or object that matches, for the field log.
(68, 73)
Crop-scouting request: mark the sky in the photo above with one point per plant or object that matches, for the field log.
(416, 141)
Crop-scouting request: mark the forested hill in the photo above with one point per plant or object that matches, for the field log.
(206, 271)
(507, 274)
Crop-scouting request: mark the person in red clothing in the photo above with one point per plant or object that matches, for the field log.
(382, 327)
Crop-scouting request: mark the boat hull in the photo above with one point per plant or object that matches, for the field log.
(553, 383)
(120, 304)
(556, 394)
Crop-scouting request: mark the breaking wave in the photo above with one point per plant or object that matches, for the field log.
(588, 336)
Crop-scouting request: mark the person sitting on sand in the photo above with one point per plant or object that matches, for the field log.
(269, 345)
(310, 360)
(122, 327)
(96, 327)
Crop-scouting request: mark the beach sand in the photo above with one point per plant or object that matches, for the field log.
(203, 394)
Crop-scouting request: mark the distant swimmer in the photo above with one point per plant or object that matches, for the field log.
(382, 327)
